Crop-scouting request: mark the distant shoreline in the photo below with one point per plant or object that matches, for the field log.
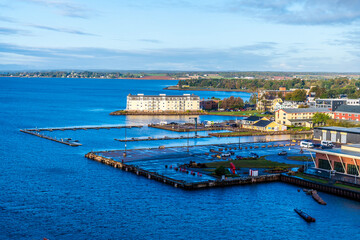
(207, 89)
(92, 78)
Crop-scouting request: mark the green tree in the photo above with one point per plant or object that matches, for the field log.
(221, 171)
(320, 118)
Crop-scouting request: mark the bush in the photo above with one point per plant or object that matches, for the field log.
(221, 171)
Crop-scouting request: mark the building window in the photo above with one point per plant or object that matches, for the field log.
(324, 164)
(351, 169)
(338, 167)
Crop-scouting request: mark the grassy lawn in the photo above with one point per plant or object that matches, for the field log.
(299, 158)
(237, 133)
(241, 113)
(314, 179)
(259, 163)
(299, 128)
(347, 187)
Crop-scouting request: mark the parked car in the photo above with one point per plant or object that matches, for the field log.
(225, 155)
(239, 157)
(306, 144)
(254, 155)
(326, 144)
(282, 153)
(232, 153)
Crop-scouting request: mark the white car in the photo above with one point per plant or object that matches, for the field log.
(225, 154)
(326, 143)
(305, 144)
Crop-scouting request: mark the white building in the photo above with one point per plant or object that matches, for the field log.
(154, 103)
(288, 104)
(353, 102)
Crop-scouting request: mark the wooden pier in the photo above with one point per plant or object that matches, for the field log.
(161, 138)
(72, 144)
(81, 128)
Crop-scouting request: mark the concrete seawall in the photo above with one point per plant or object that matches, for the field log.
(321, 187)
(178, 183)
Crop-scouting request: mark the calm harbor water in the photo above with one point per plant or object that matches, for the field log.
(50, 190)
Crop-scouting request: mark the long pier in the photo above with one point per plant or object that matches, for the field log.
(160, 138)
(81, 128)
(72, 144)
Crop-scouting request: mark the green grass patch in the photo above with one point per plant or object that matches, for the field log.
(299, 128)
(241, 113)
(347, 187)
(314, 179)
(299, 158)
(258, 163)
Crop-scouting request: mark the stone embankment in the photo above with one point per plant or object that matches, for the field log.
(165, 113)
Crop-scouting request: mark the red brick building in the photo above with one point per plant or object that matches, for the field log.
(346, 112)
(343, 163)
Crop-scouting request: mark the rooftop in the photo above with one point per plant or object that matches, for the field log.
(350, 151)
(304, 110)
(253, 118)
(341, 129)
(262, 123)
(348, 109)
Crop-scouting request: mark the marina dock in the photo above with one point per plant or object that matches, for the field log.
(63, 141)
(160, 138)
(82, 128)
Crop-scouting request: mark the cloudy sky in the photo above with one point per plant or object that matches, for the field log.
(218, 35)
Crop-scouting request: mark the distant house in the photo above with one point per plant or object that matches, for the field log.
(252, 120)
(347, 112)
(298, 116)
(266, 125)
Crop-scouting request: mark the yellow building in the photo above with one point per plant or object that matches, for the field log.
(153, 103)
(298, 116)
(265, 125)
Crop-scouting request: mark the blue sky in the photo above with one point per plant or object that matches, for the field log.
(189, 35)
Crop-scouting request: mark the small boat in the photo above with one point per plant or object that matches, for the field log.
(304, 215)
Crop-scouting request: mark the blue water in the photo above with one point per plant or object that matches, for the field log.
(50, 190)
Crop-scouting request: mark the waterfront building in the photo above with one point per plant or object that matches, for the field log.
(163, 103)
(252, 120)
(341, 164)
(266, 125)
(346, 112)
(298, 116)
(337, 134)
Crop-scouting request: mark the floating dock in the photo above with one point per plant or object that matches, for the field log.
(69, 143)
(160, 138)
